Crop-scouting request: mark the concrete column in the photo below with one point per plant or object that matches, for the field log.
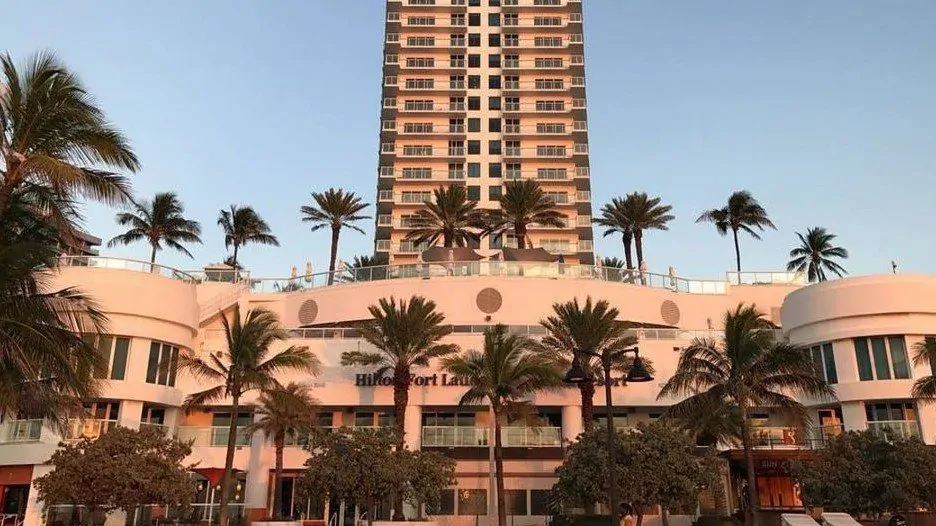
(926, 414)
(258, 475)
(33, 505)
(571, 422)
(853, 416)
(412, 426)
(131, 412)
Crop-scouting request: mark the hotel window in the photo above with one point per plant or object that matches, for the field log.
(550, 151)
(494, 147)
(512, 148)
(511, 40)
(547, 84)
(389, 125)
(456, 148)
(474, 61)
(494, 169)
(511, 19)
(417, 149)
(457, 103)
(559, 198)
(474, 3)
(420, 62)
(446, 504)
(495, 242)
(494, 192)
(824, 360)
(550, 105)
(512, 126)
(457, 61)
(494, 82)
(494, 3)
(512, 104)
(440, 419)
(418, 83)
(417, 173)
(494, 103)
(494, 61)
(550, 127)
(386, 170)
(513, 170)
(494, 19)
(551, 173)
(420, 41)
(474, 192)
(421, 2)
(539, 502)
(474, 19)
(103, 410)
(474, 125)
(547, 41)
(511, 61)
(391, 59)
(897, 418)
(113, 352)
(882, 358)
(457, 19)
(393, 17)
(547, 21)
(456, 171)
(474, 81)
(516, 501)
(494, 125)
(474, 147)
(474, 103)
(494, 40)
(420, 21)
(547, 2)
(474, 170)
(418, 105)
(393, 37)
(456, 82)
(474, 40)
(163, 364)
(457, 41)
(547, 62)
(389, 102)
(373, 419)
(472, 502)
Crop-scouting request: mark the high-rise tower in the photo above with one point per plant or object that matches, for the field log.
(479, 93)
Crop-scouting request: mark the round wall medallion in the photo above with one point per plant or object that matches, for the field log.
(489, 300)
(670, 312)
(308, 311)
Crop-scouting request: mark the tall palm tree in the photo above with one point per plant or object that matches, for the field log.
(242, 225)
(616, 220)
(161, 220)
(925, 354)
(814, 255)
(743, 213)
(450, 216)
(283, 410)
(505, 374)
(247, 364)
(54, 135)
(406, 334)
(523, 202)
(749, 369)
(612, 263)
(593, 327)
(335, 209)
(646, 213)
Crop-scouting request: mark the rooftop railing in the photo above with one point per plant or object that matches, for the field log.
(125, 264)
(468, 436)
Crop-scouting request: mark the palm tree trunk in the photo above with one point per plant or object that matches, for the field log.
(638, 246)
(12, 180)
(737, 251)
(627, 237)
(153, 260)
(401, 380)
(520, 232)
(587, 389)
(499, 468)
(447, 239)
(749, 462)
(334, 254)
(278, 442)
(235, 255)
(228, 463)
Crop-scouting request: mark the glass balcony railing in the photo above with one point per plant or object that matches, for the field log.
(89, 428)
(216, 436)
(900, 429)
(458, 436)
(125, 264)
(17, 431)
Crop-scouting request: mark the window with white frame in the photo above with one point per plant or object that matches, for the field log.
(547, 62)
(547, 41)
(163, 364)
(420, 21)
(882, 358)
(420, 83)
(114, 351)
(547, 21)
(552, 173)
(417, 127)
(547, 84)
(420, 62)
(824, 360)
(420, 41)
(417, 149)
(550, 105)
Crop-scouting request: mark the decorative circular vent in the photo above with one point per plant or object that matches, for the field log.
(489, 301)
(308, 311)
(670, 312)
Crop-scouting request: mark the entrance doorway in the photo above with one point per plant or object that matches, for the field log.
(14, 500)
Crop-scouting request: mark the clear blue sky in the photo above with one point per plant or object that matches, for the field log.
(824, 110)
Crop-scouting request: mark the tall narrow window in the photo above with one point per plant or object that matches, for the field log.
(152, 367)
(879, 351)
(898, 351)
(863, 357)
(119, 366)
(163, 364)
(831, 375)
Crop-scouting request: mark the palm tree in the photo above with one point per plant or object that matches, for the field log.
(612, 263)
(244, 366)
(406, 335)
(283, 410)
(505, 374)
(450, 216)
(814, 255)
(47, 366)
(742, 212)
(593, 327)
(335, 209)
(367, 268)
(53, 135)
(523, 203)
(615, 219)
(749, 369)
(161, 220)
(242, 225)
(925, 354)
(646, 213)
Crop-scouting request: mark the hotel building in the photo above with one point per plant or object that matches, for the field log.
(478, 93)
(860, 330)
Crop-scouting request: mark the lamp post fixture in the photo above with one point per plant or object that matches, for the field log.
(637, 373)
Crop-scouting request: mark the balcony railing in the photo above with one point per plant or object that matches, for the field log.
(125, 264)
(89, 428)
(457, 436)
(17, 431)
(902, 429)
(766, 278)
(216, 436)
(785, 438)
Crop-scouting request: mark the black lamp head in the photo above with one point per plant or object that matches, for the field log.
(577, 372)
(638, 371)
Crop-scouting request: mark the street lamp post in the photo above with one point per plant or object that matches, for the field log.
(637, 373)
